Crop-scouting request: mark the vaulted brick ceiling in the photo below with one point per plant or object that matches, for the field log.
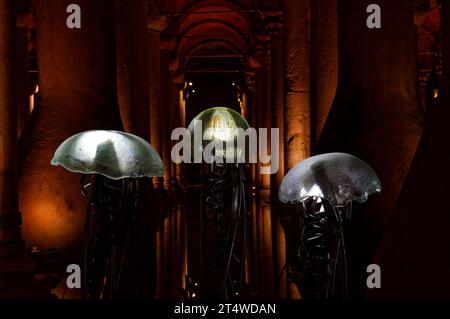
(212, 34)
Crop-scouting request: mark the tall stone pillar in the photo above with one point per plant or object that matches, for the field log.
(156, 24)
(297, 113)
(376, 110)
(16, 270)
(8, 122)
(78, 93)
(25, 85)
(253, 264)
(324, 60)
(165, 278)
(258, 269)
(265, 121)
(298, 110)
(11, 244)
(165, 120)
(132, 65)
(164, 281)
(174, 121)
(413, 252)
(276, 29)
(376, 114)
(265, 106)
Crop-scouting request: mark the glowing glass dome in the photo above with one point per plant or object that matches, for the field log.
(336, 177)
(222, 126)
(113, 154)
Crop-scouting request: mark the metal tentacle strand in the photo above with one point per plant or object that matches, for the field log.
(108, 235)
(321, 255)
(225, 200)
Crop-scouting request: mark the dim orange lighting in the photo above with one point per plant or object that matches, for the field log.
(31, 103)
(31, 99)
(435, 93)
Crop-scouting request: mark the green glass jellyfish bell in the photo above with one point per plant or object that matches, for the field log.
(222, 128)
(113, 154)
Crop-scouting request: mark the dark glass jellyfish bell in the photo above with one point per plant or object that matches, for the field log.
(113, 154)
(336, 177)
(223, 126)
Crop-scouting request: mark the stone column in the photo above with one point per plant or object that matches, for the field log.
(253, 265)
(376, 110)
(174, 250)
(164, 281)
(8, 122)
(265, 107)
(298, 110)
(16, 270)
(165, 143)
(160, 261)
(265, 116)
(78, 93)
(297, 113)
(174, 122)
(11, 243)
(132, 66)
(24, 84)
(165, 278)
(256, 81)
(156, 24)
(275, 28)
(324, 60)
(258, 263)
(376, 114)
(413, 252)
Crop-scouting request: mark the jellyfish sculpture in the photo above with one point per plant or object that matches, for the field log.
(323, 187)
(215, 133)
(112, 164)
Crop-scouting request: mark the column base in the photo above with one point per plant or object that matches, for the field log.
(18, 278)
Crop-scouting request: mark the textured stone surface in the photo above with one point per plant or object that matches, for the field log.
(77, 82)
(8, 121)
(376, 114)
(413, 254)
(297, 112)
(132, 61)
(324, 60)
(297, 129)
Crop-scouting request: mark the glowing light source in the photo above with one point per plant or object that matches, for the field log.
(113, 154)
(31, 98)
(221, 125)
(435, 93)
(337, 177)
